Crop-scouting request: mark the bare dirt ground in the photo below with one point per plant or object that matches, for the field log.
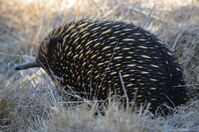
(28, 99)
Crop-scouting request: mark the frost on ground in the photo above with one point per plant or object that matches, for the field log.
(28, 99)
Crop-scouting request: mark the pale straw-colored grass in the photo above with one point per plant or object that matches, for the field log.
(29, 100)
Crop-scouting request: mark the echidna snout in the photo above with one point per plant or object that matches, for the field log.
(88, 55)
(27, 65)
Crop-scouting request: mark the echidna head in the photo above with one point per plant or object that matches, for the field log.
(42, 57)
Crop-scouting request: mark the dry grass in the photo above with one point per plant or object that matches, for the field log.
(28, 99)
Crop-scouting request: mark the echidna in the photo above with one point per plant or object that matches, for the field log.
(94, 58)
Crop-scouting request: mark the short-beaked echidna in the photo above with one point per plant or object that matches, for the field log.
(96, 57)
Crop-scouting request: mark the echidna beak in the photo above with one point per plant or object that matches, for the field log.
(27, 65)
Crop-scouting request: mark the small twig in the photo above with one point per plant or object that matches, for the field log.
(77, 102)
(188, 85)
(176, 40)
(164, 10)
(125, 92)
(15, 55)
(96, 92)
(145, 14)
(195, 71)
(148, 18)
(111, 11)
